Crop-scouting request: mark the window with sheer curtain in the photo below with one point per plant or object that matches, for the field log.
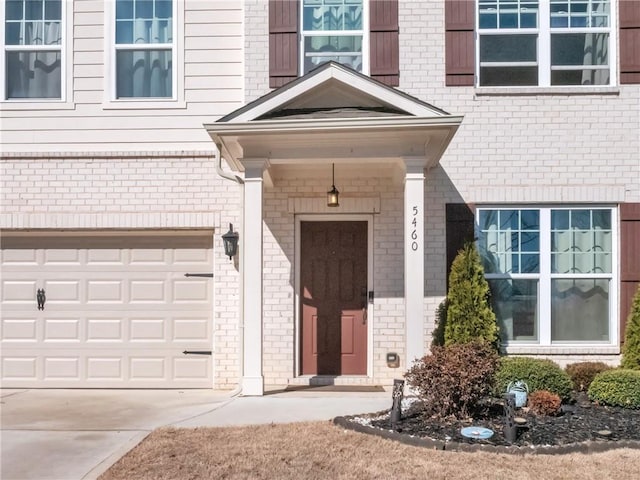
(550, 271)
(333, 30)
(144, 49)
(33, 49)
(544, 42)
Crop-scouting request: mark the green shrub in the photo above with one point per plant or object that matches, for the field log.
(539, 374)
(454, 379)
(617, 387)
(543, 402)
(631, 347)
(469, 314)
(583, 373)
(441, 320)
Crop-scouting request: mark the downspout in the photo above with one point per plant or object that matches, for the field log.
(237, 179)
(222, 173)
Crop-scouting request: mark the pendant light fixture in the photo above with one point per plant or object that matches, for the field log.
(332, 195)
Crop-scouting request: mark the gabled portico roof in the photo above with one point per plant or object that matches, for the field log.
(334, 114)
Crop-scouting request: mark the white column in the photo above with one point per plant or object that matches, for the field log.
(414, 257)
(251, 236)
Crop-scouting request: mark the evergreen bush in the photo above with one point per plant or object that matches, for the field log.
(583, 373)
(617, 387)
(469, 314)
(454, 379)
(538, 374)
(441, 320)
(631, 347)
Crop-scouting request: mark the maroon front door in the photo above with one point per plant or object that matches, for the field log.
(333, 292)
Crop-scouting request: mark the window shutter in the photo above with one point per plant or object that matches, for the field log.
(629, 259)
(384, 42)
(629, 41)
(283, 42)
(460, 220)
(459, 19)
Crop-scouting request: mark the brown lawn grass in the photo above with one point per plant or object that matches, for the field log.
(321, 450)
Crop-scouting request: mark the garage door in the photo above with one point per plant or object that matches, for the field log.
(118, 311)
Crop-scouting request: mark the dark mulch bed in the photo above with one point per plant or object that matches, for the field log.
(578, 422)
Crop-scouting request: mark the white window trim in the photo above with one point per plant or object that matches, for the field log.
(65, 102)
(177, 101)
(544, 345)
(336, 33)
(544, 32)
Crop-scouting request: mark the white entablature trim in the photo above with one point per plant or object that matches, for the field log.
(118, 220)
(347, 205)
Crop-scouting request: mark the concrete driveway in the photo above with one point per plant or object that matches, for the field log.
(78, 434)
(72, 434)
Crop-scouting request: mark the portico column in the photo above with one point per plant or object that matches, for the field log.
(414, 257)
(252, 379)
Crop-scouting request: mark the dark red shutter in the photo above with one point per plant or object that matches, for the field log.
(629, 41)
(629, 259)
(283, 42)
(384, 42)
(460, 220)
(459, 19)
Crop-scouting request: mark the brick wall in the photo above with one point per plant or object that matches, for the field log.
(256, 45)
(120, 191)
(578, 146)
(279, 274)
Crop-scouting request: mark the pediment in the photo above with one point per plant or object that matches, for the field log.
(333, 115)
(332, 91)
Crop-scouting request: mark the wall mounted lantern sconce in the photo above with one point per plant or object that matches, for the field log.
(332, 195)
(230, 240)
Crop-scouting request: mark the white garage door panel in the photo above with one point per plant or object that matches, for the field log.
(105, 368)
(113, 317)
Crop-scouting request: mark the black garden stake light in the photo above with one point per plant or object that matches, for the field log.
(332, 195)
(230, 240)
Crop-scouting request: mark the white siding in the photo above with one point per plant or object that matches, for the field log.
(211, 54)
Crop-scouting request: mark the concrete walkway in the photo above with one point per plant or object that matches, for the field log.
(78, 434)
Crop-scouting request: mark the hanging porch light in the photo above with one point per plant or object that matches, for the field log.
(332, 195)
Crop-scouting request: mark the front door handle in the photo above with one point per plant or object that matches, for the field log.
(41, 298)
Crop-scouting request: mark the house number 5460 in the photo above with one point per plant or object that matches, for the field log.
(414, 228)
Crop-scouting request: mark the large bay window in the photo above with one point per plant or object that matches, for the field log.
(334, 30)
(144, 48)
(33, 49)
(551, 273)
(544, 42)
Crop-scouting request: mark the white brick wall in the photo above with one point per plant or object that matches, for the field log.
(529, 148)
(256, 48)
(129, 191)
(279, 275)
(536, 148)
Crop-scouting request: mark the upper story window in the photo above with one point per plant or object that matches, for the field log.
(144, 49)
(334, 30)
(544, 42)
(33, 49)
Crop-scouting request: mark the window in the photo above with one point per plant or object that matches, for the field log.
(144, 49)
(333, 30)
(33, 49)
(544, 42)
(551, 273)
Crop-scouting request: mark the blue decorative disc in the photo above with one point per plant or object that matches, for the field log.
(476, 432)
